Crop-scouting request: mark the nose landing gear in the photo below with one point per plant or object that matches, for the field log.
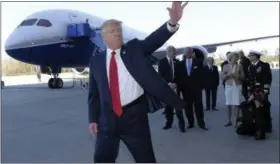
(55, 82)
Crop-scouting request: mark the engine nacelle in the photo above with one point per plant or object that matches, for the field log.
(81, 71)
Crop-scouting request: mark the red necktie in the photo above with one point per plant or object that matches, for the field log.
(114, 86)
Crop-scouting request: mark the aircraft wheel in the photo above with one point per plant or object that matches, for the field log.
(51, 83)
(59, 83)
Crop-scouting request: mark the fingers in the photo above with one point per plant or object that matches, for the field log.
(93, 129)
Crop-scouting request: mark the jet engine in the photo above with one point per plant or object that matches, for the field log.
(81, 70)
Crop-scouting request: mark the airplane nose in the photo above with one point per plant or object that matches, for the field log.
(15, 40)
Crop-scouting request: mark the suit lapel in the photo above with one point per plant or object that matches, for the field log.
(104, 69)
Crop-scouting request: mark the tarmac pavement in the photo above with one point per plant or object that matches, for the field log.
(51, 126)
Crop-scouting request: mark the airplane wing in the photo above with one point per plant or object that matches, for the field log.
(209, 47)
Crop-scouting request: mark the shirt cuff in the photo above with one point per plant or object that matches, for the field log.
(172, 29)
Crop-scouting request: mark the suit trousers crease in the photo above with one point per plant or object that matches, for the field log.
(194, 98)
(170, 116)
(211, 92)
(133, 129)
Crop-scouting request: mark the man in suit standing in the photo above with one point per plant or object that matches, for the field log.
(189, 80)
(211, 83)
(166, 71)
(120, 80)
(245, 62)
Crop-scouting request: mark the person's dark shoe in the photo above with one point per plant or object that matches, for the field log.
(260, 136)
(190, 126)
(215, 109)
(203, 127)
(167, 127)
(182, 129)
(207, 109)
(228, 124)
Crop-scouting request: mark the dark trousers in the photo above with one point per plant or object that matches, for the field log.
(260, 120)
(267, 114)
(133, 129)
(194, 98)
(245, 90)
(169, 116)
(213, 92)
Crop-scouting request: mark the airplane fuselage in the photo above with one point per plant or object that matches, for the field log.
(48, 45)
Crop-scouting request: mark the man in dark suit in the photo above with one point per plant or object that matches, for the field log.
(189, 80)
(211, 83)
(224, 63)
(120, 80)
(166, 71)
(245, 62)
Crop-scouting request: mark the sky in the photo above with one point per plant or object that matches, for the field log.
(202, 22)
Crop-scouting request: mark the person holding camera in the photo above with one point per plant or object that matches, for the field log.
(253, 120)
(260, 78)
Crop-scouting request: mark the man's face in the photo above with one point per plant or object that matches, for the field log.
(252, 57)
(170, 51)
(113, 36)
(189, 54)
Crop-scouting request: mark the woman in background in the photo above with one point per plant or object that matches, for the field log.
(233, 75)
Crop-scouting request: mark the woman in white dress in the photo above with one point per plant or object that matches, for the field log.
(233, 75)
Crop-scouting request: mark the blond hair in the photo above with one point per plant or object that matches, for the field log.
(107, 23)
(233, 54)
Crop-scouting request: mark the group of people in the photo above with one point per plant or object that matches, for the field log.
(122, 82)
(241, 77)
(251, 78)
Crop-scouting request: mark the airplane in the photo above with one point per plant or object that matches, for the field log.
(62, 38)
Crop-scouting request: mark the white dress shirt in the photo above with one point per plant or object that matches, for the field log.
(130, 90)
(172, 63)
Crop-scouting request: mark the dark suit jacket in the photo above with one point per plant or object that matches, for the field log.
(186, 82)
(245, 62)
(222, 65)
(165, 71)
(211, 77)
(135, 55)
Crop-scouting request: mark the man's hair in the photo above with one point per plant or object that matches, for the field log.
(188, 50)
(228, 53)
(241, 52)
(107, 23)
(232, 54)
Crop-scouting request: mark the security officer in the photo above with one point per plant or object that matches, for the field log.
(259, 80)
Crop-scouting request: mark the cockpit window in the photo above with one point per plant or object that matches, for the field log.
(28, 22)
(44, 23)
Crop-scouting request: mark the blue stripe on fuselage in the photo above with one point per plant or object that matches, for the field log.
(68, 54)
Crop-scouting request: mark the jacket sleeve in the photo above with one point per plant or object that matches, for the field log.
(217, 76)
(267, 79)
(156, 39)
(93, 98)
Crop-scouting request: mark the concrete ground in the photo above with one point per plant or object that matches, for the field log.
(50, 126)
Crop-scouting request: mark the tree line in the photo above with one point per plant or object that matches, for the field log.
(13, 67)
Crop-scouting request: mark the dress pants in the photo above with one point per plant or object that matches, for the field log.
(211, 92)
(133, 129)
(193, 97)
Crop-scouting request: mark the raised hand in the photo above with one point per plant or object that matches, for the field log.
(176, 12)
